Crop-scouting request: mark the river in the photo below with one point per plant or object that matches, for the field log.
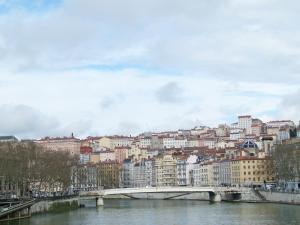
(172, 212)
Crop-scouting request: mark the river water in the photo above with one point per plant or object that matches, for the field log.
(172, 212)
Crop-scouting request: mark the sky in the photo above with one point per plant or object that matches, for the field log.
(102, 67)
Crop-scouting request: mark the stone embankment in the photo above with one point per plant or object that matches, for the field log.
(57, 205)
(281, 197)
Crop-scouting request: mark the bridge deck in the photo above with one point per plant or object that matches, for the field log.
(120, 191)
(16, 208)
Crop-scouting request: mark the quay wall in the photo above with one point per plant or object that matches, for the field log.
(54, 205)
(281, 197)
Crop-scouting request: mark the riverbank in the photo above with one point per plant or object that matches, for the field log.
(54, 206)
(281, 197)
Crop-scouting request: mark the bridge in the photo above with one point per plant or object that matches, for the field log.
(16, 211)
(214, 193)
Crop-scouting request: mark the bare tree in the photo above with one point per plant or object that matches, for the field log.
(286, 162)
(25, 164)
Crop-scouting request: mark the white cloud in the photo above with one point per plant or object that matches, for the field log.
(75, 100)
(290, 105)
(24, 120)
(249, 40)
(169, 93)
(211, 59)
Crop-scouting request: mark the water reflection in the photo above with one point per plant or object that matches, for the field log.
(172, 212)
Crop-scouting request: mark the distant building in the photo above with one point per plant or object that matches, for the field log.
(121, 153)
(121, 141)
(108, 174)
(250, 171)
(225, 172)
(64, 144)
(237, 134)
(165, 168)
(284, 133)
(267, 144)
(85, 152)
(137, 174)
(145, 142)
(107, 156)
(181, 172)
(280, 123)
(84, 177)
(245, 122)
(8, 139)
(174, 142)
(216, 173)
(203, 174)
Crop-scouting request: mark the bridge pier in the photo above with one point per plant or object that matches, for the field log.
(215, 197)
(99, 201)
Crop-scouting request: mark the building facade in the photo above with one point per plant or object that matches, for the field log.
(165, 168)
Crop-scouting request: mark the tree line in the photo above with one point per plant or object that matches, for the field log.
(27, 167)
(286, 162)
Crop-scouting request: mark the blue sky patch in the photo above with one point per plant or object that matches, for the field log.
(29, 5)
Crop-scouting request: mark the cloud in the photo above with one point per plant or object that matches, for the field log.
(169, 93)
(78, 128)
(227, 40)
(109, 101)
(290, 106)
(25, 121)
(128, 127)
(111, 66)
(141, 102)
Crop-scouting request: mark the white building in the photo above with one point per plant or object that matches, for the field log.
(280, 123)
(181, 172)
(245, 122)
(145, 142)
(137, 174)
(192, 142)
(121, 141)
(236, 134)
(210, 142)
(174, 142)
(184, 167)
(225, 144)
(284, 133)
(202, 175)
(225, 172)
(107, 156)
(190, 164)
